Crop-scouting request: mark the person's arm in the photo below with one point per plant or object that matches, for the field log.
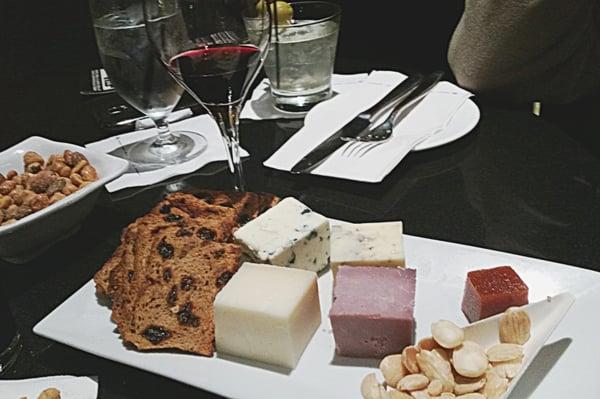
(527, 50)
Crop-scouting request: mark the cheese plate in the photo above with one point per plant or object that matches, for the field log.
(570, 353)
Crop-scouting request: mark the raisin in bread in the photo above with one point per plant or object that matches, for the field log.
(174, 306)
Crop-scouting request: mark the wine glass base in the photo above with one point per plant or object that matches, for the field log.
(149, 155)
(9, 355)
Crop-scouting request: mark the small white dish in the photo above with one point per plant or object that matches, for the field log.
(463, 122)
(27, 238)
(545, 316)
(70, 387)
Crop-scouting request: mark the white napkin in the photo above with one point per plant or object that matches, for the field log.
(427, 119)
(203, 124)
(261, 105)
(146, 123)
(70, 387)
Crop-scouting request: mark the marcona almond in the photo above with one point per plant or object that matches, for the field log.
(413, 382)
(474, 395)
(435, 387)
(504, 352)
(447, 395)
(435, 368)
(464, 385)
(370, 388)
(442, 353)
(393, 394)
(447, 334)
(420, 395)
(495, 386)
(508, 369)
(392, 369)
(469, 360)
(515, 327)
(428, 344)
(409, 358)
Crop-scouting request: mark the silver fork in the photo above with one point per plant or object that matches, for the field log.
(371, 139)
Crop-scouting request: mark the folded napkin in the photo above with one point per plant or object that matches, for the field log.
(70, 387)
(146, 123)
(203, 124)
(261, 105)
(428, 118)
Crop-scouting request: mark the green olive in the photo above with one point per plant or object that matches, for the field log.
(284, 10)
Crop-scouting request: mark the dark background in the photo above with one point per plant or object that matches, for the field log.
(58, 35)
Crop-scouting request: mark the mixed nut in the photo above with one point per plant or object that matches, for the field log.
(42, 183)
(446, 365)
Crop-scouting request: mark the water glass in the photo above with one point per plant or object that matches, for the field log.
(301, 58)
(9, 338)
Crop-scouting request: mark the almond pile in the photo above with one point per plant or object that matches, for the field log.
(446, 365)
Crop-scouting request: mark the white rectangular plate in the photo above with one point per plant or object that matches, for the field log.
(570, 355)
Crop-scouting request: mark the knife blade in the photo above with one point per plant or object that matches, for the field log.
(335, 141)
(405, 107)
(356, 125)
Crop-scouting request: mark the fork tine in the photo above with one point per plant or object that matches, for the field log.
(368, 148)
(348, 148)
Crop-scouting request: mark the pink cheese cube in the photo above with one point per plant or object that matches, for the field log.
(373, 310)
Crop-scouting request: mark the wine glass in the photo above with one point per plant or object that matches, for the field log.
(10, 344)
(215, 52)
(142, 80)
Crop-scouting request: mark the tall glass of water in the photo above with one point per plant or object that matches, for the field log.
(142, 80)
(9, 338)
(302, 53)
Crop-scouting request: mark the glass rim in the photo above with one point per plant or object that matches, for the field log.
(337, 11)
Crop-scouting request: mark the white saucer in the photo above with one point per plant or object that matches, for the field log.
(462, 123)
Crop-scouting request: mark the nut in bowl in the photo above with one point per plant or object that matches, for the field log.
(47, 188)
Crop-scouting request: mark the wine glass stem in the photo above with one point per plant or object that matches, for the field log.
(228, 119)
(165, 137)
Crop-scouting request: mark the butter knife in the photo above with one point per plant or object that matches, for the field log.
(357, 125)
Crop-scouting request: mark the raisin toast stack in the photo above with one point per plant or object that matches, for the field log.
(164, 276)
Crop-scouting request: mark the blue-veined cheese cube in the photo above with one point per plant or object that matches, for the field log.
(289, 234)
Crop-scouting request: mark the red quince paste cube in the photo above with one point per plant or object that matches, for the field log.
(492, 291)
(373, 310)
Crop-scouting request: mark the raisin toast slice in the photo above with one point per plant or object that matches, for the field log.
(124, 280)
(212, 222)
(247, 205)
(174, 309)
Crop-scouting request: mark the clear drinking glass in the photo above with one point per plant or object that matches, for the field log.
(141, 80)
(302, 54)
(213, 55)
(10, 345)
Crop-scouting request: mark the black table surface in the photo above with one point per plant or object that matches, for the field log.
(517, 183)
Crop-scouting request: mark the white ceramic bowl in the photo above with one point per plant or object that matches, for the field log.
(27, 238)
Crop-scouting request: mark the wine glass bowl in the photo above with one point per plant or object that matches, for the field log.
(215, 52)
(142, 80)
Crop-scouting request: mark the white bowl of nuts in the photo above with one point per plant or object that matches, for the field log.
(47, 188)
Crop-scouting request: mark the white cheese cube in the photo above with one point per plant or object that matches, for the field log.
(267, 314)
(289, 234)
(367, 244)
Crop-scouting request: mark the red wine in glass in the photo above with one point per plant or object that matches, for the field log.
(218, 74)
(215, 53)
